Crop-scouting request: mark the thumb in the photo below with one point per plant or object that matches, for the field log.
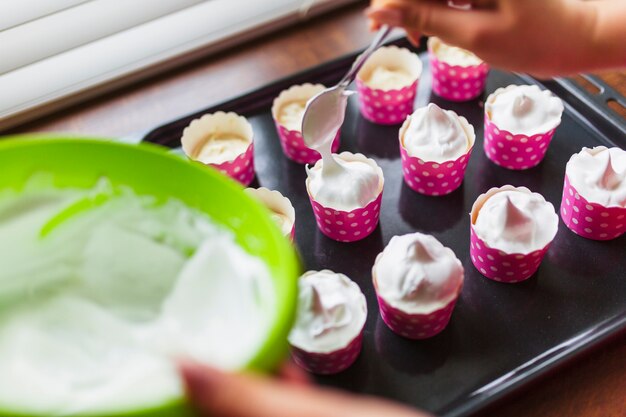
(220, 394)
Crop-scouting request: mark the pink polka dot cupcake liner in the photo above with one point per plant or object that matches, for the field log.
(500, 266)
(494, 263)
(295, 149)
(415, 326)
(435, 178)
(517, 152)
(240, 168)
(347, 226)
(291, 141)
(455, 82)
(591, 220)
(331, 362)
(388, 107)
(277, 203)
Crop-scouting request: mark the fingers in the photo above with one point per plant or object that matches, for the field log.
(220, 394)
(391, 16)
(290, 372)
(458, 27)
(394, 18)
(414, 37)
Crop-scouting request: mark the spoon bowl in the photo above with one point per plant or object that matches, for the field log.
(325, 112)
(323, 116)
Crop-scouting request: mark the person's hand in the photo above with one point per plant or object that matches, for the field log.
(219, 394)
(541, 37)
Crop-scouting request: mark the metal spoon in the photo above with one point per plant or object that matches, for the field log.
(325, 112)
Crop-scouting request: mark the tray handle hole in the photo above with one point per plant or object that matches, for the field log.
(588, 85)
(617, 107)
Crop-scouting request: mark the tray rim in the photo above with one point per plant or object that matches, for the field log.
(575, 99)
(542, 365)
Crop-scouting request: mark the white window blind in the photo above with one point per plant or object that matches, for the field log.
(79, 25)
(63, 47)
(16, 12)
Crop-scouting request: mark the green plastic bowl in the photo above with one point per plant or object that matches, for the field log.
(151, 170)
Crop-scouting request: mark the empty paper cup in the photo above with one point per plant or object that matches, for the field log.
(287, 110)
(384, 102)
(282, 210)
(455, 82)
(223, 141)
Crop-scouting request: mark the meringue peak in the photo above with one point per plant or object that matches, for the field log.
(524, 109)
(331, 311)
(599, 175)
(515, 220)
(344, 182)
(610, 179)
(413, 282)
(436, 112)
(522, 105)
(416, 273)
(329, 306)
(434, 134)
(516, 225)
(419, 252)
(316, 300)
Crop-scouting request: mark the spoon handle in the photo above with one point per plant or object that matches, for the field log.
(378, 40)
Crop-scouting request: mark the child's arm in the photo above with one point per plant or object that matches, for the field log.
(215, 393)
(541, 37)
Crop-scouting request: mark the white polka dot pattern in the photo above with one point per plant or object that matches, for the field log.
(345, 226)
(328, 363)
(456, 83)
(591, 220)
(500, 266)
(295, 149)
(516, 152)
(415, 326)
(433, 179)
(386, 107)
(240, 168)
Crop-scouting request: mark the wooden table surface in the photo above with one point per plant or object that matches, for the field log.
(592, 386)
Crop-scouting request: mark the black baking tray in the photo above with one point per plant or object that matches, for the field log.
(501, 336)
